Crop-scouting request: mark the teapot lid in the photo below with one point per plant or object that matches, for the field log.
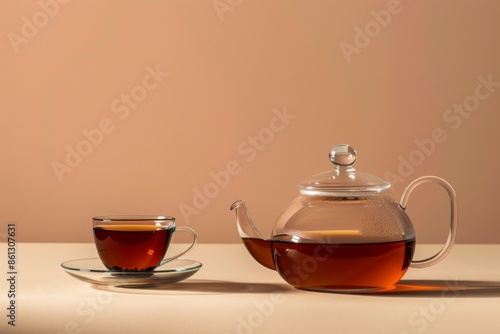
(343, 179)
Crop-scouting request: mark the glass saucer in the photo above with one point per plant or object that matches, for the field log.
(94, 272)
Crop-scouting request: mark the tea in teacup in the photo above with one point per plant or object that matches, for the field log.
(135, 243)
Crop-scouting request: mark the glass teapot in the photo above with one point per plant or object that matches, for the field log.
(343, 232)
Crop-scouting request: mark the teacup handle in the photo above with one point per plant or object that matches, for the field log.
(453, 222)
(183, 229)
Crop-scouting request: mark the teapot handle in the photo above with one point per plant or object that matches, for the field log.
(453, 223)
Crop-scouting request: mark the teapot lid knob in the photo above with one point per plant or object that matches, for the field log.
(343, 155)
(343, 179)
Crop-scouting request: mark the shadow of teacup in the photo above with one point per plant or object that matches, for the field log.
(195, 286)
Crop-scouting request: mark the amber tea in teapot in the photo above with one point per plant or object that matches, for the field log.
(342, 266)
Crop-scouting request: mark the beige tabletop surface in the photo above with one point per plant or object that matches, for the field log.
(232, 293)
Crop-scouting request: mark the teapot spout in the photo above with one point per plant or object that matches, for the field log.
(257, 245)
(246, 227)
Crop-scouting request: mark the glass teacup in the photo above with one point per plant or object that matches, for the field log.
(136, 243)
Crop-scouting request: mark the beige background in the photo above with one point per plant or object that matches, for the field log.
(379, 75)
